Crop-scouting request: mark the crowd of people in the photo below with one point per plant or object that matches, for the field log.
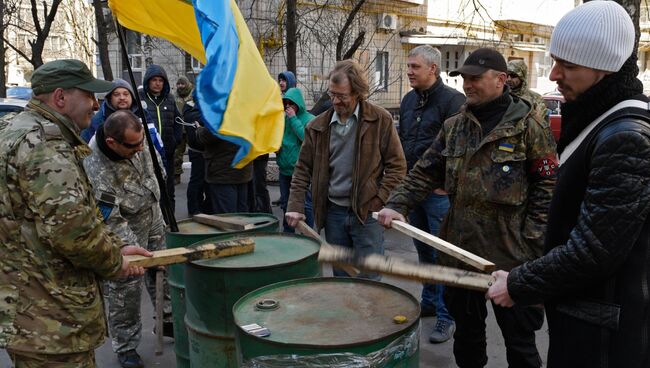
(566, 222)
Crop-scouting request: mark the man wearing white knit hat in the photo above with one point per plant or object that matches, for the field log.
(595, 276)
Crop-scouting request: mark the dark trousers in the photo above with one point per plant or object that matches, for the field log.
(285, 190)
(260, 200)
(518, 325)
(169, 169)
(198, 195)
(229, 198)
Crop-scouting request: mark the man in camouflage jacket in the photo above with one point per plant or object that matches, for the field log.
(122, 175)
(53, 244)
(518, 83)
(496, 159)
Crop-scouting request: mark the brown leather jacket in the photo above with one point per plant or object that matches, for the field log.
(378, 168)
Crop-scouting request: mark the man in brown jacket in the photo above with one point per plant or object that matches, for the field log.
(352, 157)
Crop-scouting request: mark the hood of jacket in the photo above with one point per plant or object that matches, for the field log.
(289, 77)
(519, 68)
(294, 95)
(156, 71)
(107, 107)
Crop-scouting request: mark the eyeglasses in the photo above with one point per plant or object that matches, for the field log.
(129, 145)
(339, 96)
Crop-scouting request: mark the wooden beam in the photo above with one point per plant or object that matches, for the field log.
(306, 230)
(407, 270)
(223, 222)
(220, 249)
(441, 245)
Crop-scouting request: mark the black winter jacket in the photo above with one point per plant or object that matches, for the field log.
(595, 276)
(162, 109)
(422, 115)
(218, 153)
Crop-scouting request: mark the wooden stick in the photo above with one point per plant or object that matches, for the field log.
(220, 249)
(224, 222)
(403, 269)
(441, 245)
(306, 230)
(159, 311)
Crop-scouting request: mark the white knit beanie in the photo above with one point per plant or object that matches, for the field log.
(596, 34)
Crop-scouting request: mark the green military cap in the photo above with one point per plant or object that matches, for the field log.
(66, 73)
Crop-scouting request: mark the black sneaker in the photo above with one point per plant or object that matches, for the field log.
(443, 331)
(130, 359)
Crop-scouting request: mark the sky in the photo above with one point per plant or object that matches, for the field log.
(546, 12)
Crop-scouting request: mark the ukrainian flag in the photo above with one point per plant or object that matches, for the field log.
(239, 99)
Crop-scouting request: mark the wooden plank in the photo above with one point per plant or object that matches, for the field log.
(442, 245)
(223, 222)
(220, 249)
(306, 230)
(408, 270)
(160, 293)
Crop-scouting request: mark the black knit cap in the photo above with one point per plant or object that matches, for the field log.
(480, 61)
(66, 73)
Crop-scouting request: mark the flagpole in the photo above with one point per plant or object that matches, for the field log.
(167, 212)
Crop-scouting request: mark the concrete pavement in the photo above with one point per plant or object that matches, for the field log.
(396, 244)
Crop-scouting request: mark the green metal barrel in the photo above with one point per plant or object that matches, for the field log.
(213, 287)
(190, 232)
(328, 322)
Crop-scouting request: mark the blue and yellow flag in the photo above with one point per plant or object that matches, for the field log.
(239, 99)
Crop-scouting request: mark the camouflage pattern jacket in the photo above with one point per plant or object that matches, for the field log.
(53, 243)
(500, 185)
(128, 195)
(521, 70)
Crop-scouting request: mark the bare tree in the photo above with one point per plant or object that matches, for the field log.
(42, 18)
(3, 50)
(104, 28)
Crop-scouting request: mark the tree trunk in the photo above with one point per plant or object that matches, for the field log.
(3, 51)
(102, 41)
(291, 35)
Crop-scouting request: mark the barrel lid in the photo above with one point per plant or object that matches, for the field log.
(259, 220)
(326, 312)
(271, 250)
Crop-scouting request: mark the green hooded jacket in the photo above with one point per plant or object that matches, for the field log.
(294, 133)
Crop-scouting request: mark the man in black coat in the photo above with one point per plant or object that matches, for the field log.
(422, 112)
(595, 276)
(161, 105)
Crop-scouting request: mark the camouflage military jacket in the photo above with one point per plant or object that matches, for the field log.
(53, 244)
(500, 185)
(128, 195)
(539, 107)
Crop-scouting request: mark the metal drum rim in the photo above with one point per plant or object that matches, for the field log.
(188, 219)
(253, 235)
(327, 279)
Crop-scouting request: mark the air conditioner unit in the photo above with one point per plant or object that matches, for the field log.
(387, 21)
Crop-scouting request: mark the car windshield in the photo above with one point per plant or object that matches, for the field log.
(23, 93)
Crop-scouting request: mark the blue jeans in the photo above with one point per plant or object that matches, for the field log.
(343, 228)
(428, 216)
(285, 188)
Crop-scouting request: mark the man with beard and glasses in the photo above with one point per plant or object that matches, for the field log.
(352, 157)
(594, 278)
(496, 160)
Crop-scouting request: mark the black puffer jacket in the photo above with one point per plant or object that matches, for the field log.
(422, 115)
(162, 109)
(595, 276)
(218, 153)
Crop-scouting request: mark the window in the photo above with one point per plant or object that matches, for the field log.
(381, 71)
(197, 66)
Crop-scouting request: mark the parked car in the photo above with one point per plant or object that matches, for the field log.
(8, 105)
(21, 93)
(553, 102)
